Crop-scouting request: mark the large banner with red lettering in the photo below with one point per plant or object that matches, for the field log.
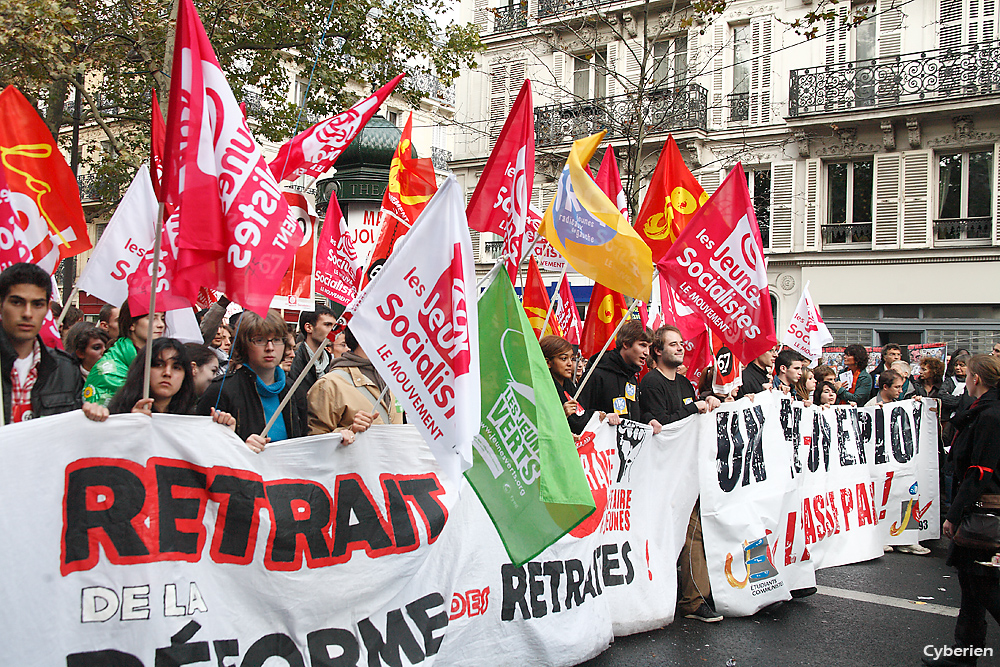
(788, 489)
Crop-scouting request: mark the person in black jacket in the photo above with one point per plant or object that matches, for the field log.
(613, 386)
(757, 376)
(38, 381)
(315, 326)
(663, 396)
(976, 454)
(559, 356)
(254, 391)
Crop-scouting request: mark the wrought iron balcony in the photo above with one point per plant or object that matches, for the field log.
(88, 187)
(685, 107)
(553, 7)
(492, 249)
(433, 87)
(963, 229)
(440, 157)
(739, 107)
(846, 233)
(511, 17)
(934, 75)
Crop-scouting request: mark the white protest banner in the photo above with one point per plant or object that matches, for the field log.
(123, 244)
(807, 333)
(417, 322)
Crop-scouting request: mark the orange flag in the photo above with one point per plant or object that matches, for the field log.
(411, 186)
(44, 192)
(673, 196)
(605, 311)
(536, 303)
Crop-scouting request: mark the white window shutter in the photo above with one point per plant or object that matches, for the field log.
(950, 23)
(837, 37)
(889, 28)
(476, 254)
(996, 194)
(710, 180)
(559, 63)
(916, 199)
(633, 57)
(514, 81)
(760, 71)
(718, 38)
(812, 235)
(481, 14)
(694, 40)
(612, 61)
(498, 100)
(885, 223)
(782, 193)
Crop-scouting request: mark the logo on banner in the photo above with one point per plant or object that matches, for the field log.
(597, 467)
(911, 514)
(629, 439)
(760, 569)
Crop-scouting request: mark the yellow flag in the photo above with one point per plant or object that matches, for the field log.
(587, 228)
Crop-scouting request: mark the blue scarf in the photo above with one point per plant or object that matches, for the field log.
(270, 399)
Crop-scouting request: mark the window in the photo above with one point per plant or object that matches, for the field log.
(670, 62)
(301, 86)
(393, 117)
(739, 100)
(965, 195)
(850, 190)
(590, 76)
(759, 185)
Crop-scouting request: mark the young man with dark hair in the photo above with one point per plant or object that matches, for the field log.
(788, 367)
(891, 353)
(38, 381)
(667, 397)
(757, 376)
(314, 326)
(107, 319)
(613, 387)
(890, 387)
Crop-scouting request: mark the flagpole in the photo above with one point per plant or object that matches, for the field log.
(591, 367)
(157, 234)
(62, 314)
(555, 294)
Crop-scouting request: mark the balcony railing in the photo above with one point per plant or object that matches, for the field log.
(431, 85)
(940, 74)
(739, 107)
(846, 233)
(553, 7)
(493, 249)
(680, 108)
(440, 157)
(963, 229)
(511, 17)
(88, 187)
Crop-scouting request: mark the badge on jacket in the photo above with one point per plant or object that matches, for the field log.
(620, 405)
(630, 391)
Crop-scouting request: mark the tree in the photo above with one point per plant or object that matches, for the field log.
(113, 54)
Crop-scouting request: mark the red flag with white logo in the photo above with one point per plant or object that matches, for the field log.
(43, 189)
(338, 269)
(717, 266)
(313, 151)
(728, 372)
(605, 310)
(698, 355)
(503, 193)
(609, 180)
(234, 230)
(567, 314)
(417, 322)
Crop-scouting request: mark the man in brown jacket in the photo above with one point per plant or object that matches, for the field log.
(347, 395)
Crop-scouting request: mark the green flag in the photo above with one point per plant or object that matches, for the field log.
(525, 467)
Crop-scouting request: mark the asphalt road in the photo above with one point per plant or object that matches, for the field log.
(879, 613)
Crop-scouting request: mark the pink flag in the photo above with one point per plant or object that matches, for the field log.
(610, 181)
(503, 194)
(313, 151)
(567, 314)
(157, 144)
(234, 230)
(338, 270)
(717, 265)
(13, 243)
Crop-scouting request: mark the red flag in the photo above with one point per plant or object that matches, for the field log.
(43, 190)
(605, 311)
(678, 313)
(609, 180)
(297, 289)
(503, 193)
(411, 185)
(536, 303)
(313, 151)
(547, 257)
(157, 142)
(728, 371)
(13, 244)
(234, 232)
(717, 265)
(338, 270)
(567, 314)
(697, 355)
(673, 196)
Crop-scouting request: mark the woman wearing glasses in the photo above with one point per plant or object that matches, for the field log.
(253, 391)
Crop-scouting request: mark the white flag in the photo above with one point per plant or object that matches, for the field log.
(417, 323)
(127, 238)
(807, 334)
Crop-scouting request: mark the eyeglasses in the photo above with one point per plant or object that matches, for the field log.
(260, 341)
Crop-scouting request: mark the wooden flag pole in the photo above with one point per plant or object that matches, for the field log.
(590, 369)
(295, 385)
(158, 233)
(62, 315)
(555, 295)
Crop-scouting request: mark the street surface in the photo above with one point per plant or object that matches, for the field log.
(874, 614)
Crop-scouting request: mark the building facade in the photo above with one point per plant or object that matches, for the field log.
(871, 149)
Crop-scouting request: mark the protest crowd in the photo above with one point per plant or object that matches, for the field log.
(695, 336)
